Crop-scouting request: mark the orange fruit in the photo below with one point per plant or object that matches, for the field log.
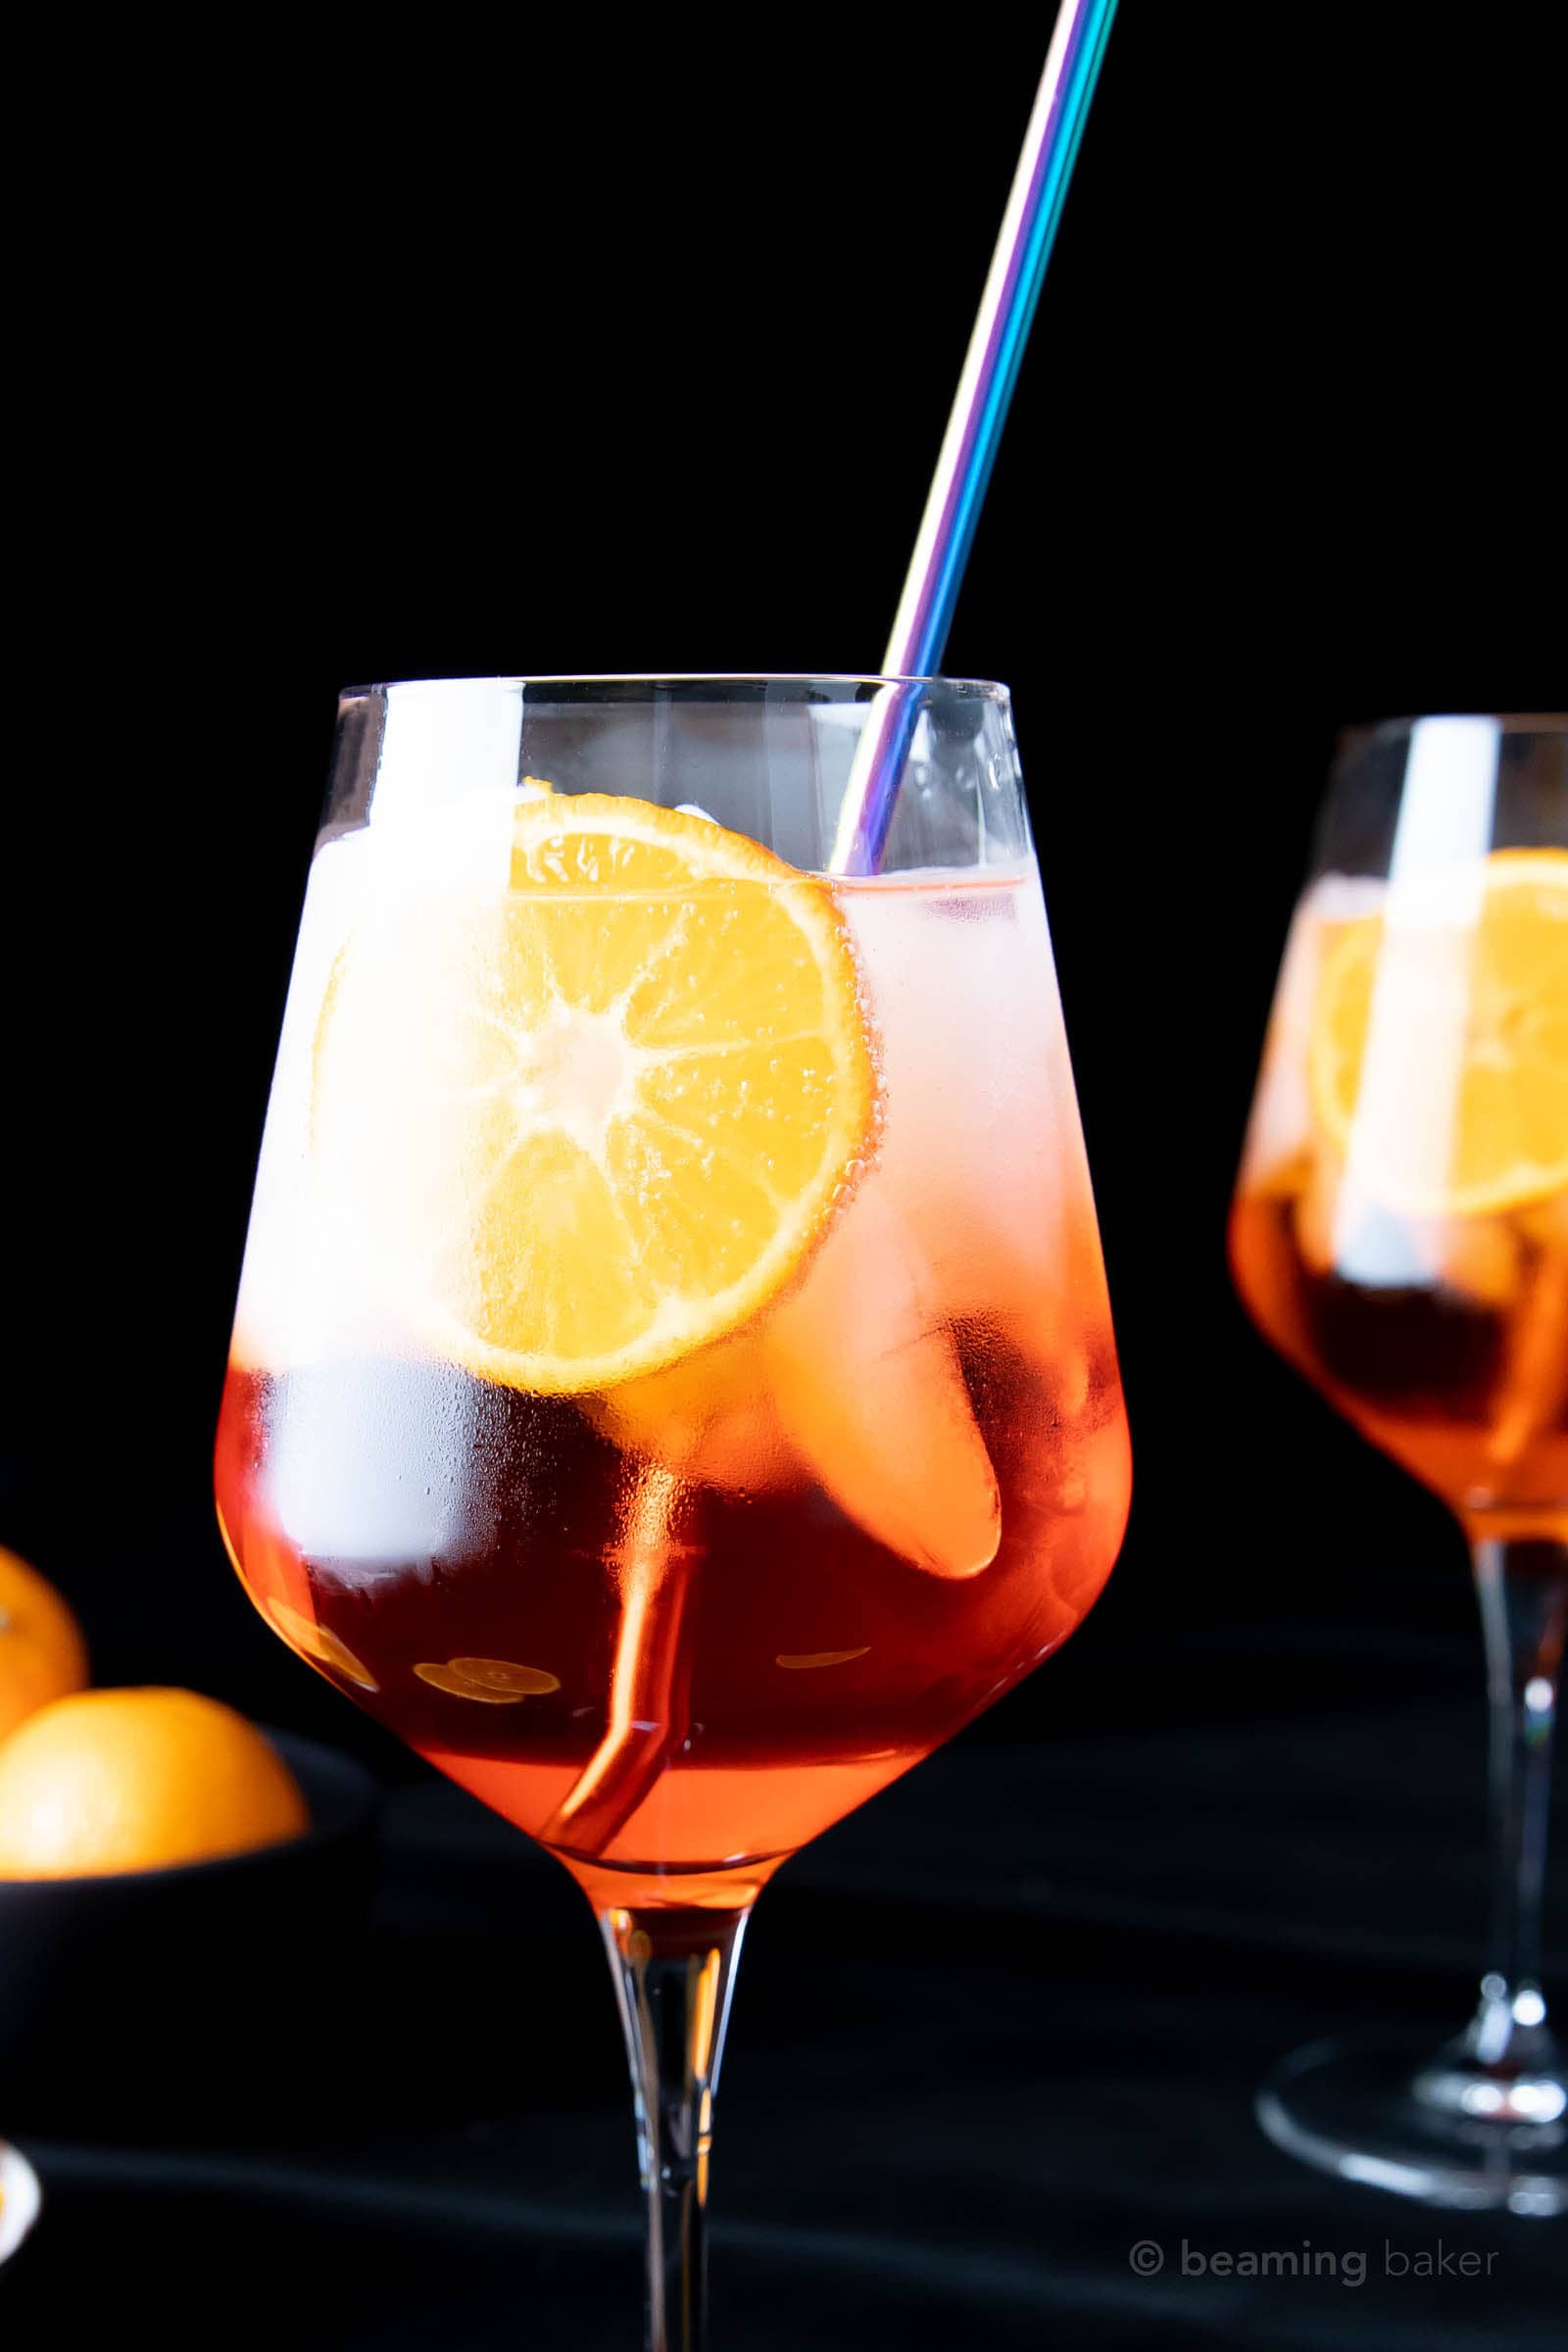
(1439, 1055)
(108, 1781)
(596, 1120)
(42, 1655)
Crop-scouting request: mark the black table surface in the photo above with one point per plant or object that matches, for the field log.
(993, 2034)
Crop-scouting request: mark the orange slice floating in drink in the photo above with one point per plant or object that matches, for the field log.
(506, 1675)
(494, 1682)
(319, 1644)
(594, 1122)
(1470, 1115)
(803, 1661)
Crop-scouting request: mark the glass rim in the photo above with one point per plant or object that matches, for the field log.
(983, 689)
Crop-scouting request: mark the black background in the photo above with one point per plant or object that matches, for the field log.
(464, 349)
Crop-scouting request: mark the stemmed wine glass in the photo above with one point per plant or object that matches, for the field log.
(18, 2198)
(672, 1381)
(1401, 1233)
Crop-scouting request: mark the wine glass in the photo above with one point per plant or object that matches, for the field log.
(18, 2198)
(1401, 1234)
(672, 1382)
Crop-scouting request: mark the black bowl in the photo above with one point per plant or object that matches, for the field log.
(153, 2000)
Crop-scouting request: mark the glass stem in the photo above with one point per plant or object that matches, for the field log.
(1522, 1586)
(674, 1972)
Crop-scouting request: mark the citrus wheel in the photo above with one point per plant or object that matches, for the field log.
(585, 1126)
(1468, 1111)
(496, 1682)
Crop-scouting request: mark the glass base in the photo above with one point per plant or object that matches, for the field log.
(18, 2198)
(1382, 2112)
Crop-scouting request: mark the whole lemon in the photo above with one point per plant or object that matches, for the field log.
(136, 1780)
(42, 1655)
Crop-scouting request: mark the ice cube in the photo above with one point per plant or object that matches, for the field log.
(710, 1419)
(1478, 1257)
(1341, 1230)
(866, 1385)
(1317, 1214)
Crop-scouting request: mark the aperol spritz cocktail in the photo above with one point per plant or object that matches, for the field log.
(1429, 1300)
(1401, 1233)
(672, 1383)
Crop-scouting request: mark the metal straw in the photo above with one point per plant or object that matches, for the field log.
(974, 427)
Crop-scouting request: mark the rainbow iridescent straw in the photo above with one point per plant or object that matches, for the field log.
(974, 427)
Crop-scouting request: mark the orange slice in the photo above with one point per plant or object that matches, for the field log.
(321, 1643)
(797, 1662)
(1439, 1055)
(498, 1682)
(586, 1125)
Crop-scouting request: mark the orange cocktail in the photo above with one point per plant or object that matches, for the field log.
(1401, 1228)
(672, 1381)
(673, 1596)
(1401, 1233)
